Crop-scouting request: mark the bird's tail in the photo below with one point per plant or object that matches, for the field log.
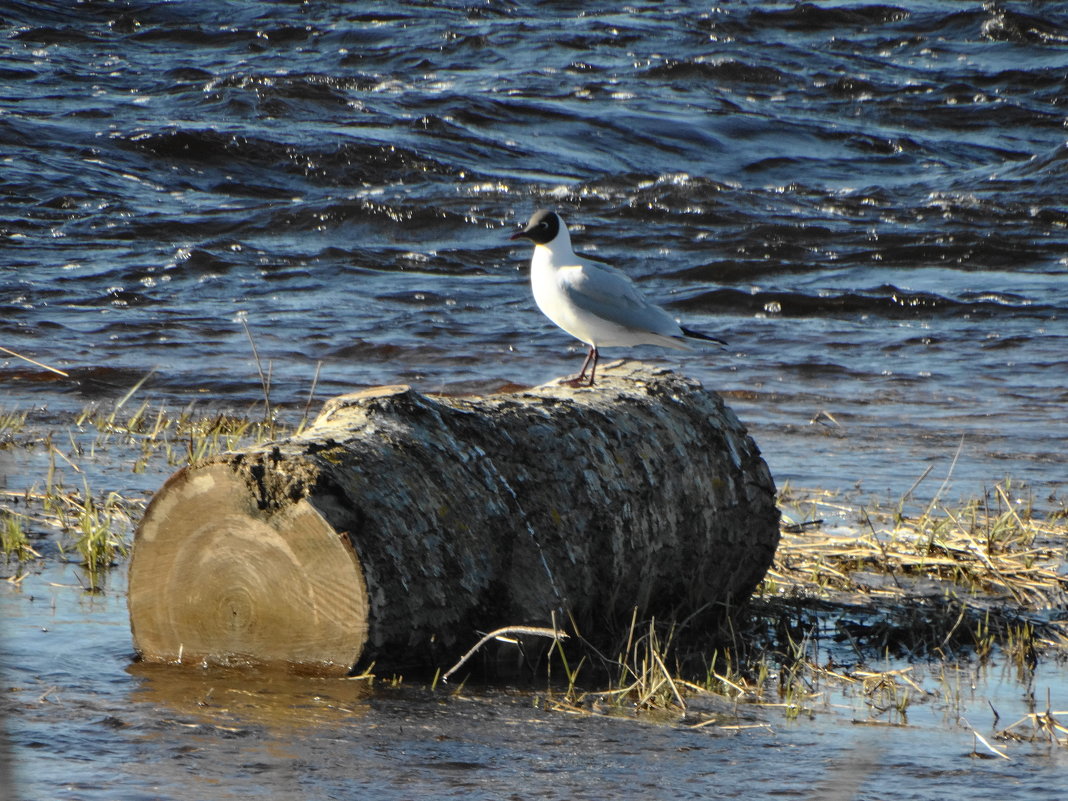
(698, 335)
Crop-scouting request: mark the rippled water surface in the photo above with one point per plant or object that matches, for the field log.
(88, 724)
(867, 201)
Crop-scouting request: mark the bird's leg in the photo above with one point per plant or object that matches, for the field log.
(593, 367)
(576, 380)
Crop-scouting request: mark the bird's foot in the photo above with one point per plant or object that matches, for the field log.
(577, 381)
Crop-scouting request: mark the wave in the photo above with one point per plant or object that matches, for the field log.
(806, 17)
(885, 301)
(1008, 25)
(1051, 164)
(345, 163)
(727, 71)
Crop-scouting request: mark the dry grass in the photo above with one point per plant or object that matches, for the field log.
(989, 569)
(990, 545)
(879, 611)
(1046, 726)
(11, 423)
(13, 541)
(175, 439)
(96, 526)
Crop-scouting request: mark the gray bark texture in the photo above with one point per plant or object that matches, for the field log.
(397, 526)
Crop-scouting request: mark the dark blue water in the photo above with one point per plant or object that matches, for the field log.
(867, 201)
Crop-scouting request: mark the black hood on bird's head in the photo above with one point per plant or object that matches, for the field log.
(542, 228)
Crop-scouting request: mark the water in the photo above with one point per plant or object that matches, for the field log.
(866, 201)
(88, 724)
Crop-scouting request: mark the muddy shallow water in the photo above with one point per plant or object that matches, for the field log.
(86, 722)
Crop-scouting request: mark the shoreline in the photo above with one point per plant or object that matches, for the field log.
(896, 579)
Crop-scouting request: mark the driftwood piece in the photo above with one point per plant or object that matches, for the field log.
(397, 525)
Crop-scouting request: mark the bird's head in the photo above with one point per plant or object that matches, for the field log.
(543, 227)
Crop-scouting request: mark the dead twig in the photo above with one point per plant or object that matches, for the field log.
(34, 362)
(553, 634)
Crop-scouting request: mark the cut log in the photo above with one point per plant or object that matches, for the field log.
(397, 526)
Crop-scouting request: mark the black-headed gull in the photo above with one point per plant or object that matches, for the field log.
(592, 301)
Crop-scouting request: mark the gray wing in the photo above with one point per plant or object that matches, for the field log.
(609, 294)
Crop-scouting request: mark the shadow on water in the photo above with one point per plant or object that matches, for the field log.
(276, 702)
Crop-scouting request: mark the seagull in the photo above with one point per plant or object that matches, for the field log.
(593, 301)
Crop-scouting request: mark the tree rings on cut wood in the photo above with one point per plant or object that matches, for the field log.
(217, 577)
(398, 526)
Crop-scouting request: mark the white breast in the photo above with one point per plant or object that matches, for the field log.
(595, 304)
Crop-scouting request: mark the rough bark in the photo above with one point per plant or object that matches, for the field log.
(398, 525)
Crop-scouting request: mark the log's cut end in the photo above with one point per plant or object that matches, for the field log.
(220, 575)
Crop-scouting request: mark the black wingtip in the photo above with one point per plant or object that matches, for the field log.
(698, 335)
